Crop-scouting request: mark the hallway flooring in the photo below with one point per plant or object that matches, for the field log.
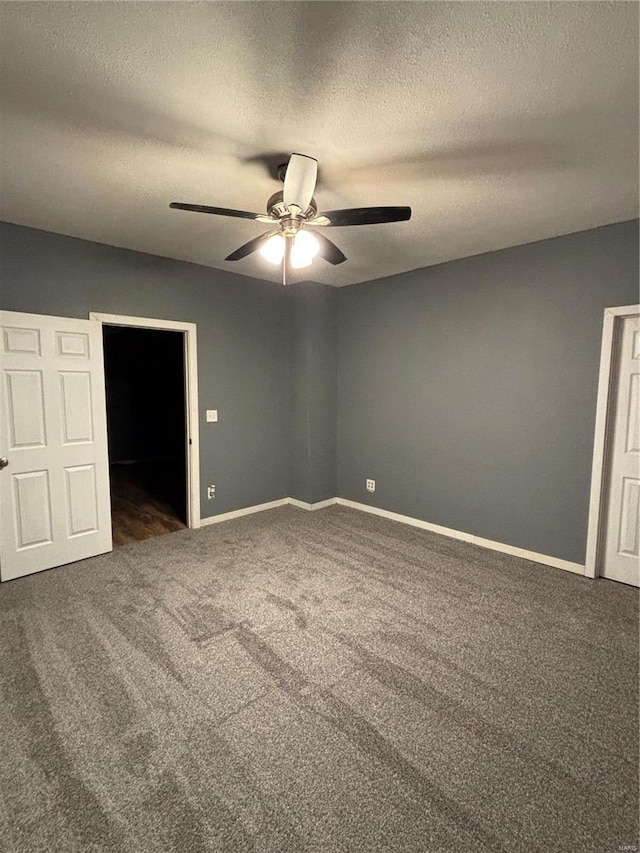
(140, 508)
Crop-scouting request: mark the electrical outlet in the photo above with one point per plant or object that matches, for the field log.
(371, 485)
(211, 492)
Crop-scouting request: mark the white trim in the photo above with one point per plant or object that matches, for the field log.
(557, 563)
(320, 505)
(247, 510)
(140, 322)
(612, 316)
(191, 395)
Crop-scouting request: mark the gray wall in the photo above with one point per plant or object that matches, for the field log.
(243, 344)
(313, 391)
(468, 390)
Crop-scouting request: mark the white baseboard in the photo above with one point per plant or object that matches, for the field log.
(545, 559)
(557, 563)
(319, 505)
(246, 510)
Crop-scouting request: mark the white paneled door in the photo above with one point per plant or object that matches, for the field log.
(54, 483)
(622, 538)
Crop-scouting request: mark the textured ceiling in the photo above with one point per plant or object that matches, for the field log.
(499, 123)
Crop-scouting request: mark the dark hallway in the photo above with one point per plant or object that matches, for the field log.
(144, 376)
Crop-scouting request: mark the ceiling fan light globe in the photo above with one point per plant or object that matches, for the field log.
(306, 243)
(305, 248)
(299, 260)
(273, 249)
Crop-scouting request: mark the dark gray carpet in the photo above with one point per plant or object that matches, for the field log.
(326, 682)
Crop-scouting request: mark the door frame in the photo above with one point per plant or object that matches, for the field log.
(189, 331)
(602, 441)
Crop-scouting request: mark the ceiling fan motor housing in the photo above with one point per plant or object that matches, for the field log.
(279, 210)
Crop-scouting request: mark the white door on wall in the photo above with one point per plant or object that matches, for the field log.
(54, 483)
(622, 534)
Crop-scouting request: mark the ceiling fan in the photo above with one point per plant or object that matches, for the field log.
(294, 242)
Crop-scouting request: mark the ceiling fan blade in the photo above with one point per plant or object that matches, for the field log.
(328, 250)
(251, 246)
(300, 181)
(220, 211)
(366, 215)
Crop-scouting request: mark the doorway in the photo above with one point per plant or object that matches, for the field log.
(152, 415)
(146, 428)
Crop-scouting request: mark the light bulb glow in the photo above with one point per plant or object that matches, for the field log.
(273, 249)
(305, 248)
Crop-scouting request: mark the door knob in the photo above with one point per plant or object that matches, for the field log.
(3, 461)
